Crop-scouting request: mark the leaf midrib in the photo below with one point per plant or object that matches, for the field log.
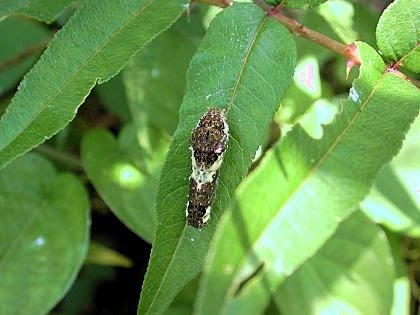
(230, 104)
(60, 89)
(315, 168)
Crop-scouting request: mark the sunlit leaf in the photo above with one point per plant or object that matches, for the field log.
(339, 15)
(341, 273)
(303, 189)
(242, 67)
(394, 201)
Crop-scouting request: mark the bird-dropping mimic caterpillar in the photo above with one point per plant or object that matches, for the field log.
(208, 147)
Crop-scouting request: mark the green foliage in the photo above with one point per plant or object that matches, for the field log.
(398, 33)
(320, 187)
(248, 53)
(394, 201)
(43, 10)
(127, 180)
(44, 235)
(76, 59)
(339, 15)
(304, 4)
(114, 96)
(155, 83)
(317, 208)
(341, 274)
(23, 38)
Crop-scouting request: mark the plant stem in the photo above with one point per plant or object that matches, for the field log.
(64, 158)
(309, 34)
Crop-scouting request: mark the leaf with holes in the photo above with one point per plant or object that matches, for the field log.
(44, 235)
(289, 207)
(92, 47)
(244, 64)
(398, 33)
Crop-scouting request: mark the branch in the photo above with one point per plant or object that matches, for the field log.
(393, 70)
(347, 51)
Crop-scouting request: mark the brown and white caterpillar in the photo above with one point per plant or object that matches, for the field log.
(208, 147)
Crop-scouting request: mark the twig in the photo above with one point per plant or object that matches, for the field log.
(393, 70)
(300, 30)
(62, 157)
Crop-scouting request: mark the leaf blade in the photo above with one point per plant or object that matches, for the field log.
(398, 33)
(120, 181)
(74, 61)
(43, 10)
(246, 47)
(45, 235)
(320, 186)
(340, 274)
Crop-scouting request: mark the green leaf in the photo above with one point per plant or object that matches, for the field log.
(92, 47)
(43, 10)
(184, 301)
(398, 33)
(126, 180)
(302, 4)
(22, 41)
(339, 15)
(44, 235)
(395, 200)
(402, 290)
(100, 254)
(255, 62)
(114, 97)
(155, 78)
(303, 189)
(341, 277)
(390, 204)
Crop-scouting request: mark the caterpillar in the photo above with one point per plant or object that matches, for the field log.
(208, 146)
